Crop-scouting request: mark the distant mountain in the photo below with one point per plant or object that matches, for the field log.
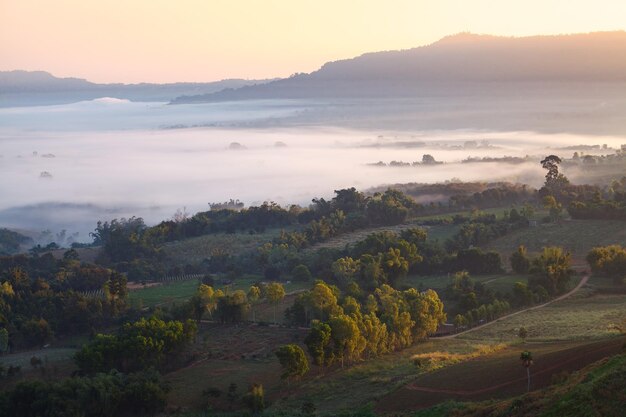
(19, 88)
(455, 65)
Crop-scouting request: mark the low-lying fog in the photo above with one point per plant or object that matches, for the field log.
(69, 166)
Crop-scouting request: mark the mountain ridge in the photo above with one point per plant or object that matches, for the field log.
(464, 58)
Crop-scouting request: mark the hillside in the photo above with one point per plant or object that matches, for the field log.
(20, 88)
(597, 390)
(463, 64)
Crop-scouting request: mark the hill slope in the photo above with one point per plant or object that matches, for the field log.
(456, 65)
(40, 87)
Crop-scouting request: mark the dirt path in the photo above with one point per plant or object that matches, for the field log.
(582, 282)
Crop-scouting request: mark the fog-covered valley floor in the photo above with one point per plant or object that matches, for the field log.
(68, 166)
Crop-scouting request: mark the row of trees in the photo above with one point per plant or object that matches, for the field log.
(231, 306)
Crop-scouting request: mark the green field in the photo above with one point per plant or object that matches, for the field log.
(577, 236)
(196, 249)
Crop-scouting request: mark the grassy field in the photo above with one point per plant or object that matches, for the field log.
(195, 250)
(241, 354)
(57, 361)
(583, 316)
(577, 236)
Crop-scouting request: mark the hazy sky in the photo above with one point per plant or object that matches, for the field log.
(204, 40)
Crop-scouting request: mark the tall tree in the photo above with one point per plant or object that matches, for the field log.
(527, 360)
(254, 294)
(293, 360)
(275, 293)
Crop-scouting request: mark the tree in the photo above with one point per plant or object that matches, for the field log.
(555, 208)
(522, 333)
(520, 263)
(275, 293)
(527, 360)
(255, 399)
(254, 294)
(552, 269)
(318, 343)
(460, 321)
(344, 270)
(301, 273)
(232, 394)
(293, 360)
(349, 343)
(4, 340)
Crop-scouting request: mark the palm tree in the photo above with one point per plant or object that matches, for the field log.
(527, 360)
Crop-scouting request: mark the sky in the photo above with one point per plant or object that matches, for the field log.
(133, 41)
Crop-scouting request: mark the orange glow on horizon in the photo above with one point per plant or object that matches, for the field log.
(206, 40)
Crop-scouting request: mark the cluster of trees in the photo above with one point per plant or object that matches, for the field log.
(607, 204)
(230, 306)
(480, 228)
(353, 326)
(497, 196)
(609, 261)
(40, 298)
(105, 394)
(485, 312)
(143, 344)
(474, 303)
(549, 274)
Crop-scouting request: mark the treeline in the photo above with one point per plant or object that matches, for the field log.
(40, 297)
(228, 306)
(457, 195)
(132, 247)
(107, 394)
(609, 204)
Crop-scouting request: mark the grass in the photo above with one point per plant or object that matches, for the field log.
(577, 236)
(584, 316)
(240, 354)
(195, 250)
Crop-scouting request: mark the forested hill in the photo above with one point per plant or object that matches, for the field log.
(458, 64)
